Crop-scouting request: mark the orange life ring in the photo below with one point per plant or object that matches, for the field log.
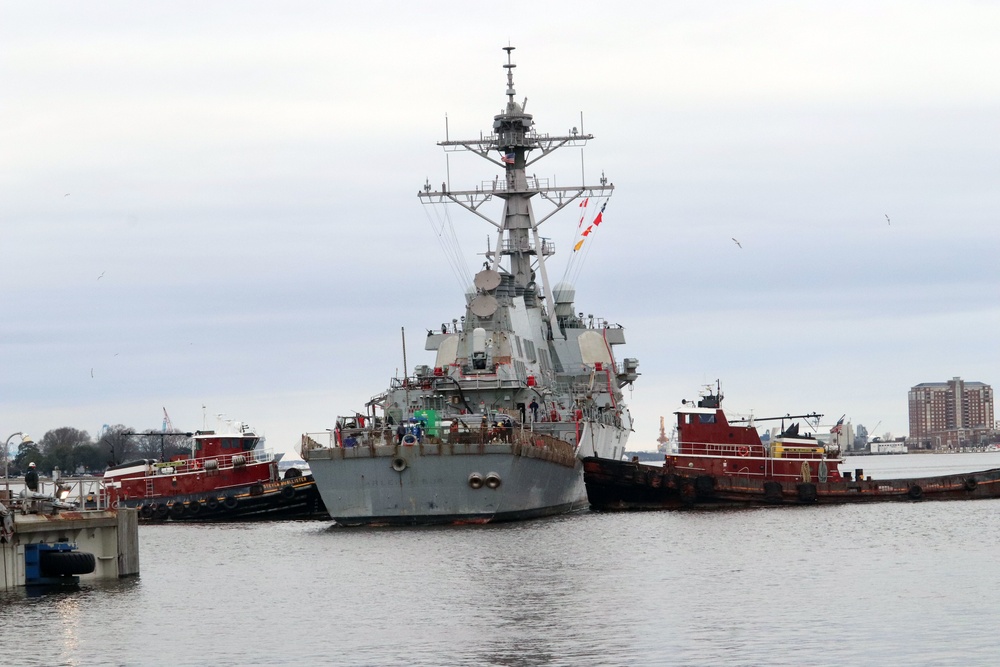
(743, 450)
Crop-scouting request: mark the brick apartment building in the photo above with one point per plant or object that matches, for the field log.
(948, 415)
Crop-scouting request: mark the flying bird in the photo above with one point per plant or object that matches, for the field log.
(887, 220)
(737, 243)
(91, 372)
(102, 275)
(66, 195)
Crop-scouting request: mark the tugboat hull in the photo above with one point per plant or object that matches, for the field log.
(622, 485)
(295, 498)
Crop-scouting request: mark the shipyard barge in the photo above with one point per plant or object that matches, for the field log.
(522, 387)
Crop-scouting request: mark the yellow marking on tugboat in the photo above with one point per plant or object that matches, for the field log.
(780, 450)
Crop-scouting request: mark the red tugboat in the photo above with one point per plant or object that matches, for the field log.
(225, 478)
(723, 463)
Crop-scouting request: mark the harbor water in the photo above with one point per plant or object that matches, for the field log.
(895, 583)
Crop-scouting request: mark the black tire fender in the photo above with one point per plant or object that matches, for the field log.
(773, 492)
(806, 491)
(704, 486)
(63, 563)
(915, 492)
(689, 494)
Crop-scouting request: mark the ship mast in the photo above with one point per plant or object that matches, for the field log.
(508, 146)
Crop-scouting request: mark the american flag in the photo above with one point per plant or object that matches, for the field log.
(839, 426)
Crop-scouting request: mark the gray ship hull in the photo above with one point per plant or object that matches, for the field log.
(446, 484)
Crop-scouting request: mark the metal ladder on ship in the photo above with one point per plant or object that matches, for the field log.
(149, 487)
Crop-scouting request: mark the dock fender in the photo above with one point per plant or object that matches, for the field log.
(807, 492)
(704, 486)
(66, 563)
(231, 502)
(772, 492)
(915, 492)
(970, 484)
(287, 492)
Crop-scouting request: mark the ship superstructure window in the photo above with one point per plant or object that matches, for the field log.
(434, 403)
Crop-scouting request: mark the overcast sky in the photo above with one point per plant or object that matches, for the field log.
(214, 203)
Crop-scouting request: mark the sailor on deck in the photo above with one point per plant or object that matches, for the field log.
(31, 477)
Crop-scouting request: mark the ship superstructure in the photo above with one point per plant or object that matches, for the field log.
(522, 386)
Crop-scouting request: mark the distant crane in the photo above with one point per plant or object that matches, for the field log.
(168, 427)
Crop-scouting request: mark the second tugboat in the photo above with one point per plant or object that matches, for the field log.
(226, 478)
(721, 463)
(523, 387)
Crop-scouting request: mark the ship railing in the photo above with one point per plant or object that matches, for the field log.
(87, 493)
(511, 246)
(717, 449)
(738, 450)
(474, 428)
(234, 460)
(501, 185)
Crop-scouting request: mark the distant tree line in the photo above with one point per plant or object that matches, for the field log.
(74, 451)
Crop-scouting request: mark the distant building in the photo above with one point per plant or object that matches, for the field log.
(949, 415)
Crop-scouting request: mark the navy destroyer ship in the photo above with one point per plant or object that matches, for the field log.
(523, 387)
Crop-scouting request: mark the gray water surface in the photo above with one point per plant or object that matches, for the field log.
(893, 584)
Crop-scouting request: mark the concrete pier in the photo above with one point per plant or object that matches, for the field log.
(110, 534)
